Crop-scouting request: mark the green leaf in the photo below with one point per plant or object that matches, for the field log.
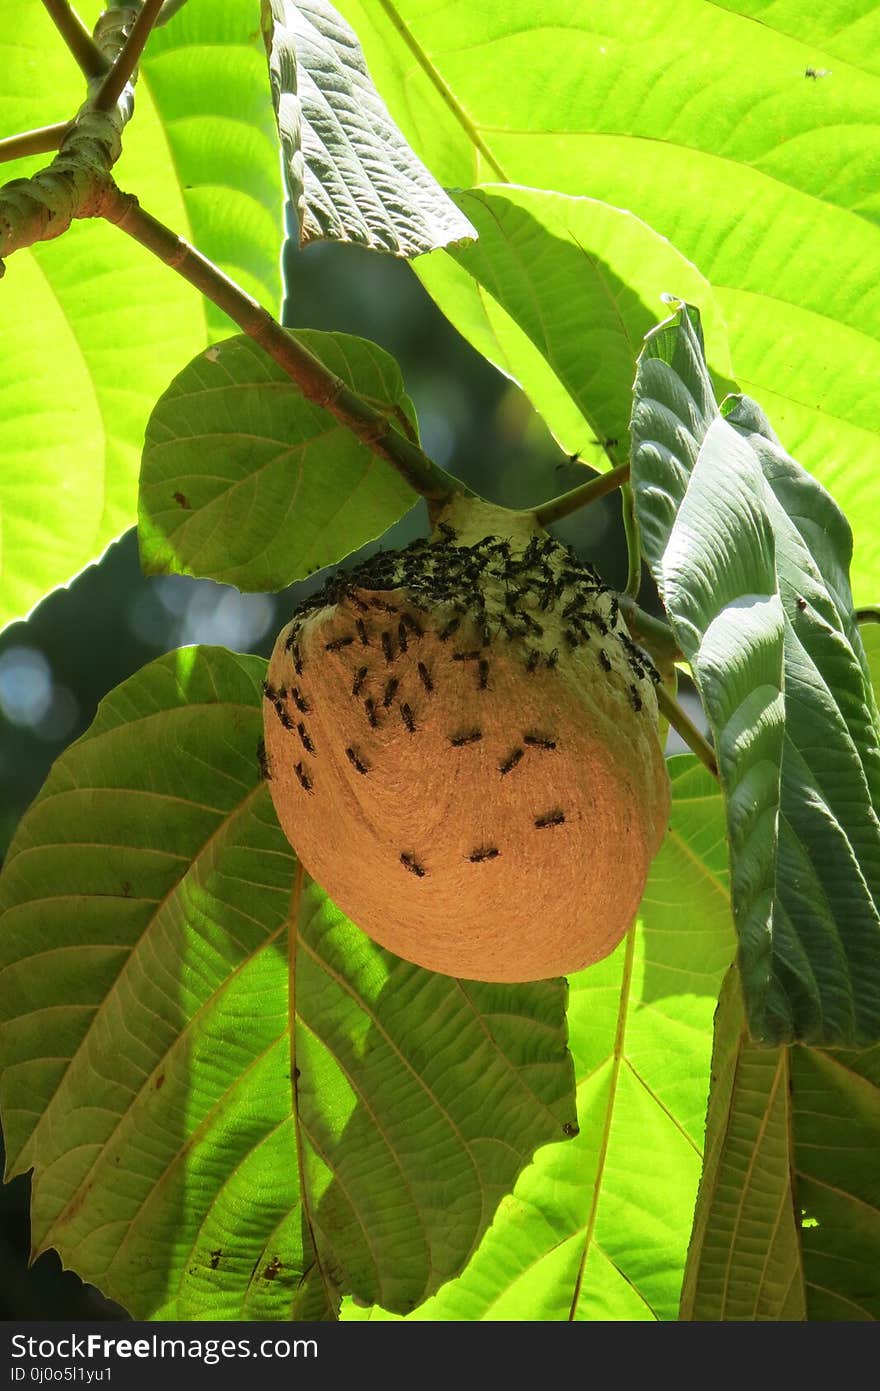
(813, 566)
(598, 1228)
(146, 1055)
(836, 1122)
(245, 481)
(787, 1222)
(751, 556)
(744, 1261)
(700, 121)
(870, 633)
(92, 326)
(351, 175)
(419, 1099)
(559, 292)
(204, 73)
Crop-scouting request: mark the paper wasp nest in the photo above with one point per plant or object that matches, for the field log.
(461, 740)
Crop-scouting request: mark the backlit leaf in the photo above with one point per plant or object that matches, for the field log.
(559, 292)
(146, 905)
(788, 1216)
(351, 175)
(597, 1228)
(701, 120)
(247, 482)
(91, 325)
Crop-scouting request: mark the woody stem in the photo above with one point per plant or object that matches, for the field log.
(316, 382)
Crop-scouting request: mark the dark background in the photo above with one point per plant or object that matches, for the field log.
(85, 639)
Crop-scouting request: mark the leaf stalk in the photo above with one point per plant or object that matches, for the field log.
(652, 632)
(34, 142)
(92, 62)
(685, 727)
(582, 496)
(112, 87)
(633, 542)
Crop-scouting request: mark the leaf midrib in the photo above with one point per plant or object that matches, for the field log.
(443, 90)
(619, 1041)
(204, 849)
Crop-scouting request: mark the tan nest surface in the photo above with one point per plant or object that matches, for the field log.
(467, 760)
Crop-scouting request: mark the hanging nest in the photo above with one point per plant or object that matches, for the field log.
(462, 746)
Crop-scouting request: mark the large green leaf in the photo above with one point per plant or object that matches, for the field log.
(744, 1260)
(419, 1100)
(751, 556)
(847, 31)
(836, 1128)
(703, 123)
(788, 1216)
(146, 1054)
(204, 75)
(91, 326)
(246, 482)
(598, 1228)
(559, 292)
(350, 173)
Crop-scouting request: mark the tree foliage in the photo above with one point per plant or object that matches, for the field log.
(658, 221)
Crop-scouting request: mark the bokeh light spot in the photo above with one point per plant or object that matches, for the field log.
(25, 686)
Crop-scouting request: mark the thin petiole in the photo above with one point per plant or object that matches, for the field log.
(34, 142)
(652, 632)
(685, 727)
(582, 496)
(88, 55)
(111, 88)
(633, 544)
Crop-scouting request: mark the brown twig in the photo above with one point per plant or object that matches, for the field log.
(91, 60)
(316, 382)
(112, 87)
(78, 179)
(78, 184)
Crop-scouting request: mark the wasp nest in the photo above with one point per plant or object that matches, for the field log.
(461, 740)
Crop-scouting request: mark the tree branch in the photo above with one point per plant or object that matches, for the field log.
(582, 496)
(684, 726)
(92, 62)
(112, 87)
(314, 380)
(78, 180)
(34, 142)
